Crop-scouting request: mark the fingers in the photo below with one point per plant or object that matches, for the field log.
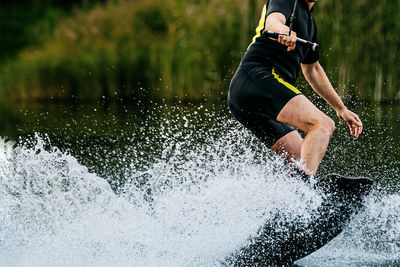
(359, 126)
(355, 126)
(353, 121)
(288, 38)
(291, 47)
(288, 41)
(355, 130)
(351, 129)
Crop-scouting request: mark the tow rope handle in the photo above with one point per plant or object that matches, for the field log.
(275, 35)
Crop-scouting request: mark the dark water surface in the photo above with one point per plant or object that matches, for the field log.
(189, 185)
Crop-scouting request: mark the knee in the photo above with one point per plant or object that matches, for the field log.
(329, 126)
(326, 125)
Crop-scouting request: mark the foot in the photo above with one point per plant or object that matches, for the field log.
(296, 174)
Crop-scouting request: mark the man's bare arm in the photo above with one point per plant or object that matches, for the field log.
(276, 23)
(316, 77)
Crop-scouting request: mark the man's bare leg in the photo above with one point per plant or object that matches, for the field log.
(289, 146)
(302, 114)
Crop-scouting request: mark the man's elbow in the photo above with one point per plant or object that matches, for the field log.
(310, 69)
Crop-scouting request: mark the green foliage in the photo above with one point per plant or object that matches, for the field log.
(185, 50)
(23, 25)
(360, 42)
(145, 49)
(28, 22)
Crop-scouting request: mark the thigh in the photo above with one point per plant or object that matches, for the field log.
(301, 113)
(267, 130)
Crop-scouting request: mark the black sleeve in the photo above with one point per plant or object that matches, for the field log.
(281, 6)
(312, 56)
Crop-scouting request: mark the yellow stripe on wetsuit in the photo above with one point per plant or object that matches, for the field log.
(288, 85)
(261, 25)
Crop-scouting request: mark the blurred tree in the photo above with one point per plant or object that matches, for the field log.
(175, 49)
(28, 22)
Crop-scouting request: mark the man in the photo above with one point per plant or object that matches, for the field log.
(262, 96)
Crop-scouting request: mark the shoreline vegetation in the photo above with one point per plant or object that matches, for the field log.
(189, 50)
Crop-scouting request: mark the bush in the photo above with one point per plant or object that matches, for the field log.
(154, 49)
(185, 50)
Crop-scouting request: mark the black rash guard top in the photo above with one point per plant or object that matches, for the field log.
(272, 54)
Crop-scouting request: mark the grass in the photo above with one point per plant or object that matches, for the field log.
(188, 50)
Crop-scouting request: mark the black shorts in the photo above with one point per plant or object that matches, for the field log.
(256, 96)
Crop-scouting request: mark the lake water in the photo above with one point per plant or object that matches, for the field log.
(175, 185)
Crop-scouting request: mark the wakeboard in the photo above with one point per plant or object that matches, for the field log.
(281, 242)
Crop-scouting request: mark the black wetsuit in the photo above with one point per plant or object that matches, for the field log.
(263, 83)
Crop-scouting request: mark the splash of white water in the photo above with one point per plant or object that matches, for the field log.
(196, 206)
